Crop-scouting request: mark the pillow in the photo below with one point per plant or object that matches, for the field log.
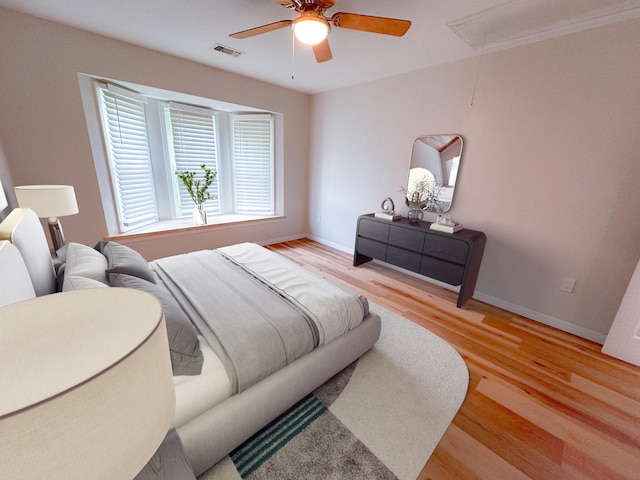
(76, 282)
(84, 261)
(184, 346)
(122, 259)
(61, 253)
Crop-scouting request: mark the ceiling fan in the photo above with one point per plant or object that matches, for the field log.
(312, 27)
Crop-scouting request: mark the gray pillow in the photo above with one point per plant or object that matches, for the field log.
(122, 259)
(184, 346)
(84, 261)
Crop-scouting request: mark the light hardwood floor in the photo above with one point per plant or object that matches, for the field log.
(542, 404)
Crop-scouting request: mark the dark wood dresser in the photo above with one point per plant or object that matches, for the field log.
(450, 258)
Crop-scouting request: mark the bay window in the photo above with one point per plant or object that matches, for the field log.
(147, 139)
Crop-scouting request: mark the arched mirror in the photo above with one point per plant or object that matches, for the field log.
(435, 160)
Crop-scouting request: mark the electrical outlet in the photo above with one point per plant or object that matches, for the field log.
(319, 219)
(567, 284)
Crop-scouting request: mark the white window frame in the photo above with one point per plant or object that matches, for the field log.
(167, 207)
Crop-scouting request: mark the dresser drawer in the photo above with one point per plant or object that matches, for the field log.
(403, 258)
(371, 248)
(406, 238)
(373, 230)
(446, 272)
(446, 248)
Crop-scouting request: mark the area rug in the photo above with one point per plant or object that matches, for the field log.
(380, 418)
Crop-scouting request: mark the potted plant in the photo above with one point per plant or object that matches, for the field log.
(198, 190)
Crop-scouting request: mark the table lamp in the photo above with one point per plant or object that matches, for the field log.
(87, 387)
(49, 201)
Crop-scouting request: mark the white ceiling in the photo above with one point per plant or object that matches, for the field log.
(190, 28)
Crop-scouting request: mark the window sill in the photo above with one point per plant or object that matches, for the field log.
(186, 226)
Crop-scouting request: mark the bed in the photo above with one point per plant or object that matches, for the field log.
(300, 329)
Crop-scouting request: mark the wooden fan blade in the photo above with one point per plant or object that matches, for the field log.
(367, 23)
(270, 27)
(322, 51)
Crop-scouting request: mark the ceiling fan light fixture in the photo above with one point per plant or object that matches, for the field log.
(310, 28)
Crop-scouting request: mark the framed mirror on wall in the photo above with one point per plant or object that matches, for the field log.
(435, 162)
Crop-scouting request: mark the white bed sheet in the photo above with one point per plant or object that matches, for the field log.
(195, 394)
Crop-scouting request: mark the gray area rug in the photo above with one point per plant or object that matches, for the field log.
(380, 418)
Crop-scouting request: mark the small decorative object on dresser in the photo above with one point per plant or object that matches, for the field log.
(388, 210)
(446, 225)
(415, 215)
(452, 259)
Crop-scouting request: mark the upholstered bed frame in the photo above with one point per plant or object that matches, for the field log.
(27, 271)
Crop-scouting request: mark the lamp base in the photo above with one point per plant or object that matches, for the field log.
(57, 236)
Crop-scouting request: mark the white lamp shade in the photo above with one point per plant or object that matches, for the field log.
(47, 200)
(310, 29)
(87, 387)
(3, 198)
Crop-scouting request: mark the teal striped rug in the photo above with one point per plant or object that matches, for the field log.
(309, 442)
(262, 446)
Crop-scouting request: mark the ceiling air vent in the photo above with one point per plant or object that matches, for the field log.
(227, 50)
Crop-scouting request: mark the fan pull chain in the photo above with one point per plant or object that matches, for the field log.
(293, 55)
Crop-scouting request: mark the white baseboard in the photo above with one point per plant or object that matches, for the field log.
(282, 239)
(554, 322)
(543, 318)
(342, 248)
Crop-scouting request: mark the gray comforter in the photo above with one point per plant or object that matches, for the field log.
(258, 310)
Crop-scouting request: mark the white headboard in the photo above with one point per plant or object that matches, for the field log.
(23, 229)
(15, 282)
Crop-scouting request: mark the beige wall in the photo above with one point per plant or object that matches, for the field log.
(44, 134)
(550, 169)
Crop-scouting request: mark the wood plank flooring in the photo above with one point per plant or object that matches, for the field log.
(542, 403)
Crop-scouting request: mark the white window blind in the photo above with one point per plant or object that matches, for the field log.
(128, 150)
(193, 143)
(148, 139)
(252, 144)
